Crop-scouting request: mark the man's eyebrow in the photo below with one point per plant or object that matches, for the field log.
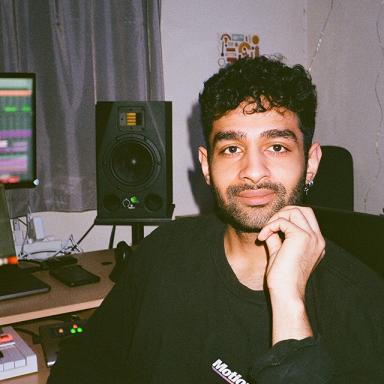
(227, 135)
(276, 133)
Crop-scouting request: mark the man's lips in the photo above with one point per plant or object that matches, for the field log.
(256, 196)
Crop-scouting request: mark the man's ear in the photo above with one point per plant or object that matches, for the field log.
(203, 158)
(314, 157)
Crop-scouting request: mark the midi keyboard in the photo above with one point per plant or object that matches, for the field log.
(16, 357)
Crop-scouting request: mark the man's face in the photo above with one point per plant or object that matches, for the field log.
(256, 165)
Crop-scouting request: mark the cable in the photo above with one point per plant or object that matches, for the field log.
(112, 237)
(66, 249)
(27, 224)
(320, 40)
(21, 221)
(86, 233)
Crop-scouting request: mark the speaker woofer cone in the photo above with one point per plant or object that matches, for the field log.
(134, 162)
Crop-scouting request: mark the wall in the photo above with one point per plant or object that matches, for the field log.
(348, 68)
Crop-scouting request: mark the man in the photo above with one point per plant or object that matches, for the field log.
(254, 295)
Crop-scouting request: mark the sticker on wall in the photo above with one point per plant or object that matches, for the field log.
(233, 46)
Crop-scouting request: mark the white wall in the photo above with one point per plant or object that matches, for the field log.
(348, 68)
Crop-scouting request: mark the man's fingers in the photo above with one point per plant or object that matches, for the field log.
(280, 224)
(274, 243)
(301, 216)
(297, 212)
(291, 231)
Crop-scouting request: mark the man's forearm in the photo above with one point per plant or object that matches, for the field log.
(289, 318)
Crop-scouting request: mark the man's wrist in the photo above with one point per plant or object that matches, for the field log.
(290, 320)
(292, 296)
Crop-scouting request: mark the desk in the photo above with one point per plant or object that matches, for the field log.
(29, 312)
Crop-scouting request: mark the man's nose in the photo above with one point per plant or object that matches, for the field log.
(254, 167)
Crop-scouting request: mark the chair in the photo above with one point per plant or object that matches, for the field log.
(358, 233)
(331, 197)
(333, 187)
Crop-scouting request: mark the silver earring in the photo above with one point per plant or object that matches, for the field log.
(308, 186)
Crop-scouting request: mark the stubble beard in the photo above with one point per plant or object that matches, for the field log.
(249, 219)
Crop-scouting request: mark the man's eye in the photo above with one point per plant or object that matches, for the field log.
(277, 148)
(231, 150)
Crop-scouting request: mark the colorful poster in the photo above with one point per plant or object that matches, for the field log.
(233, 46)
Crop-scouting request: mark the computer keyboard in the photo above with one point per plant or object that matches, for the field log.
(16, 358)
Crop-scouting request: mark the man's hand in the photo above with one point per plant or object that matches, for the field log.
(292, 258)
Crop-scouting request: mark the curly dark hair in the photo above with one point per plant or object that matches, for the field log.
(265, 82)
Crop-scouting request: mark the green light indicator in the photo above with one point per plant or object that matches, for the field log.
(134, 200)
(79, 330)
(73, 331)
(10, 108)
(26, 108)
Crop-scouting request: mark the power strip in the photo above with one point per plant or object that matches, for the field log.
(40, 249)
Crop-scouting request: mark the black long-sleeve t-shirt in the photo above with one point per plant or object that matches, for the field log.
(179, 315)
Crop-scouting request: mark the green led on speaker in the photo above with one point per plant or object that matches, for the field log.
(134, 200)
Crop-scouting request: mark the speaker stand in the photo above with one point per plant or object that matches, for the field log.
(137, 227)
(112, 237)
(137, 234)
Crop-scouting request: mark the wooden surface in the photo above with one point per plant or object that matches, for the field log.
(62, 299)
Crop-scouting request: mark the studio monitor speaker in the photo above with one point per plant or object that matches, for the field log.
(134, 161)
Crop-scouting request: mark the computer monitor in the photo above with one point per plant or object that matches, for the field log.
(18, 130)
(17, 170)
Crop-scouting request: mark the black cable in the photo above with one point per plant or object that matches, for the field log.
(21, 221)
(112, 238)
(85, 234)
(75, 246)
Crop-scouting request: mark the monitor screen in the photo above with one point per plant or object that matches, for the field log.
(18, 130)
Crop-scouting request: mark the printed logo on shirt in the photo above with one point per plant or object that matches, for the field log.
(227, 374)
